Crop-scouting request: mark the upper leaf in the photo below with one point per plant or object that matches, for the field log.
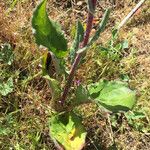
(68, 131)
(114, 95)
(54, 86)
(47, 32)
(98, 31)
(101, 27)
(78, 38)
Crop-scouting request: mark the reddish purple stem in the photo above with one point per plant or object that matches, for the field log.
(79, 55)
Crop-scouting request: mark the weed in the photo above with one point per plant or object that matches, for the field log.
(65, 126)
(29, 105)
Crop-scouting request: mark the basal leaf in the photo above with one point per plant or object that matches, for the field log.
(47, 32)
(114, 95)
(68, 131)
(78, 38)
(52, 65)
(46, 60)
(54, 86)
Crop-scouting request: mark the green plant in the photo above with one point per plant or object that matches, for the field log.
(138, 120)
(8, 125)
(7, 87)
(6, 54)
(66, 127)
(6, 59)
(113, 48)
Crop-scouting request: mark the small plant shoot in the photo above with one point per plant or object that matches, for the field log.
(65, 126)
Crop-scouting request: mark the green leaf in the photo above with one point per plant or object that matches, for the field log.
(6, 88)
(6, 54)
(125, 44)
(135, 115)
(99, 30)
(78, 38)
(138, 120)
(68, 131)
(52, 65)
(54, 86)
(118, 47)
(81, 95)
(113, 95)
(101, 27)
(7, 124)
(47, 32)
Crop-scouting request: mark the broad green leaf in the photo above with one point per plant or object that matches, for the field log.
(7, 87)
(54, 86)
(96, 88)
(78, 38)
(68, 131)
(81, 95)
(114, 95)
(6, 54)
(47, 32)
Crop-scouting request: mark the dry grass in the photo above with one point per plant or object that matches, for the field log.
(25, 112)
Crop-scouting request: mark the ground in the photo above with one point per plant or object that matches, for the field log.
(24, 113)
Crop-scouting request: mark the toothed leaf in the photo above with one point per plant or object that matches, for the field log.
(47, 32)
(114, 95)
(101, 26)
(78, 38)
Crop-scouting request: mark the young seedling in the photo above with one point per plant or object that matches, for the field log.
(66, 127)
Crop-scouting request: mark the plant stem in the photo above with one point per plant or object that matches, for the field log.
(79, 55)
